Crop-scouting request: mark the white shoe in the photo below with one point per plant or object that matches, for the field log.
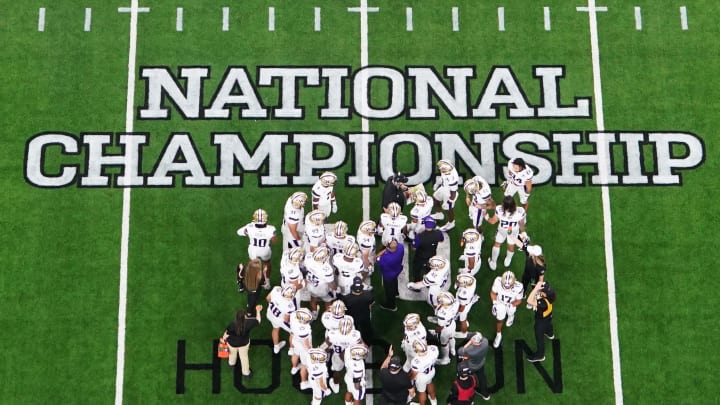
(493, 265)
(305, 385)
(508, 261)
(528, 306)
(448, 226)
(291, 351)
(334, 386)
(510, 320)
(497, 341)
(452, 349)
(432, 319)
(462, 257)
(443, 362)
(278, 347)
(438, 216)
(294, 370)
(460, 335)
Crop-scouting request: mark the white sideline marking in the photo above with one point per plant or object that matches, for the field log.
(638, 19)
(317, 18)
(455, 20)
(271, 18)
(125, 229)
(41, 19)
(179, 20)
(607, 219)
(408, 19)
(88, 19)
(683, 18)
(546, 14)
(501, 18)
(226, 19)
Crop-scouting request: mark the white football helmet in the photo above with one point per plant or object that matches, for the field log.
(437, 263)
(358, 352)
(340, 229)
(471, 186)
(445, 299)
(445, 166)
(411, 321)
(350, 249)
(289, 292)
(420, 347)
(298, 199)
(337, 309)
(304, 315)
(421, 197)
(316, 217)
(328, 179)
(296, 255)
(260, 216)
(471, 235)
(346, 326)
(465, 280)
(368, 227)
(508, 280)
(394, 210)
(317, 356)
(321, 254)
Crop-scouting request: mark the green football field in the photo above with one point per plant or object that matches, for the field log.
(139, 136)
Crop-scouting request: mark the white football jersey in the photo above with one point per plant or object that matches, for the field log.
(426, 364)
(341, 342)
(280, 306)
(260, 239)
(347, 271)
(314, 234)
(483, 195)
(508, 221)
(519, 178)
(507, 296)
(336, 244)
(446, 315)
(317, 371)
(392, 228)
(437, 277)
(292, 215)
(318, 273)
(419, 333)
(353, 368)
(365, 242)
(330, 322)
(321, 193)
(300, 330)
(473, 250)
(464, 295)
(450, 180)
(418, 212)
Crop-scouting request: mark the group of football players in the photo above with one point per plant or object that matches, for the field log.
(321, 261)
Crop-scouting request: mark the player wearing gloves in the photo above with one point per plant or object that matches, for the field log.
(466, 297)
(506, 294)
(479, 200)
(293, 216)
(318, 373)
(472, 244)
(355, 373)
(446, 191)
(519, 180)
(323, 194)
(445, 312)
(511, 221)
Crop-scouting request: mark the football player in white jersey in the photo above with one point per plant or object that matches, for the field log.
(336, 239)
(422, 208)
(261, 235)
(511, 221)
(293, 217)
(355, 373)
(323, 194)
(519, 180)
(318, 373)
(471, 242)
(445, 312)
(422, 371)
(506, 294)
(366, 244)
(314, 229)
(414, 330)
(466, 297)
(340, 339)
(392, 223)
(478, 199)
(300, 343)
(290, 272)
(446, 191)
(320, 278)
(333, 315)
(437, 280)
(281, 303)
(348, 265)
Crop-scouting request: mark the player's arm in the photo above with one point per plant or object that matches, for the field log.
(528, 186)
(493, 296)
(532, 298)
(522, 225)
(292, 227)
(494, 219)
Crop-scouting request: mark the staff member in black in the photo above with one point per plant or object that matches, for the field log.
(397, 387)
(534, 266)
(358, 304)
(394, 190)
(462, 390)
(237, 336)
(425, 246)
(541, 299)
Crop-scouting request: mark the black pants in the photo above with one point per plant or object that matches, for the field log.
(527, 277)
(419, 268)
(252, 300)
(542, 327)
(391, 291)
(482, 387)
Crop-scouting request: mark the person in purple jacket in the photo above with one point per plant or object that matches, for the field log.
(390, 261)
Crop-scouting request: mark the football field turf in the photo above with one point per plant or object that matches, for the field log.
(138, 137)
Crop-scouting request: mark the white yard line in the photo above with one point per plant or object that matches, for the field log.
(455, 19)
(271, 18)
(41, 19)
(318, 16)
(607, 219)
(683, 18)
(88, 19)
(125, 228)
(179, 19)
(501, 18)
(546, 18)
(638, 18)
(408, 19)
(225, 18)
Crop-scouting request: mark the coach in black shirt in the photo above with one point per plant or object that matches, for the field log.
(394, 190)
(358, 304)
(396, 384)
(425, 246)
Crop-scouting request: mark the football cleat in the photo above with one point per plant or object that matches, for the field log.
(368, 228)
(394, 210)
(508, 280)
(421, 197)
(493, 265)
(445, 299)
(350, 249)
(304, 315)
(296, 255)
(346, 326)
(337, 309)
(317, 356)
(340, 230)
(465, 280)
(510, 320)
(471, 186)
(316, 217)
(411, 321)
(321, 254)
(358, 352)
(471, 235)
(328, 179)
(298, 199)
(289, 292)
(497, 341)
(445, 166)
(437, 263)
(419, 347)
(260, 216)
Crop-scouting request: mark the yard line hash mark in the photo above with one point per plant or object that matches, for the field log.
(408, 19)
(317, 18)
(41, 19)
(638, 19)
(179, 20)
(501, 18)
(226, 18)
(546, 18)
(271, 18)
(455, 20)
(683, 18)
(88, 19)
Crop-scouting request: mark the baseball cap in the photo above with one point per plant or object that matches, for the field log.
(534, 250)
(400, 178)
(395, 363)
(463, 369)
(429, 222)
(357, 285)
